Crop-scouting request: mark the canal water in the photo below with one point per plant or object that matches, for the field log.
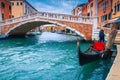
(48, 56)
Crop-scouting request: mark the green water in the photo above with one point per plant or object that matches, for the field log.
(48, 56)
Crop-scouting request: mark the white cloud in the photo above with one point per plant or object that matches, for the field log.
(49, 8)
(56, 6)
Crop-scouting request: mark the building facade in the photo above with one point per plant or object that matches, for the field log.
(116, 9)
(21, 7)
(84, 10)
(104, 11)
(78, 10)
(5, 10)
(90, 8)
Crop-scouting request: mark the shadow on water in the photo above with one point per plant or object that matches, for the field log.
(18, 42)
(88, 70)
(95, 70)
(99, 68)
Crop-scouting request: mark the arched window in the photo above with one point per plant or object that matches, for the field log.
(2, 5)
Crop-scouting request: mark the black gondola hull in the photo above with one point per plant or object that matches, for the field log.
(92, 55)
(88, 56)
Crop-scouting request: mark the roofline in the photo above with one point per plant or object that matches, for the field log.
(27, 3)
(80, 5)
(30, 5)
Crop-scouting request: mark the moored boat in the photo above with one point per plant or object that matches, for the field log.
(92, 54)
(89, 56)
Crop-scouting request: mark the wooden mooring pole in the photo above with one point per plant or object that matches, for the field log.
(110, 40)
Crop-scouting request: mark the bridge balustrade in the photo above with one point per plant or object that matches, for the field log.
(46, 15)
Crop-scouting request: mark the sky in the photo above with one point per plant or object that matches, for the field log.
(56, 6)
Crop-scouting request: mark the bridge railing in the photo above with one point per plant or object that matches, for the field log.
(51, 16)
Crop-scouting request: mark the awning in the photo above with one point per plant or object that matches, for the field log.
(116, 20)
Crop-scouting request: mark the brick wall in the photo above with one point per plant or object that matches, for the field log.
(84, 29)
(6, 11)
(104, 11)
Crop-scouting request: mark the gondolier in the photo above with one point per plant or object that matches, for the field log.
(101, 35)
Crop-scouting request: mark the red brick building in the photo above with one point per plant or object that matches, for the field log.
(104, 11)
(116, 9)
(5, 9)
(90, 8)
(84, 10)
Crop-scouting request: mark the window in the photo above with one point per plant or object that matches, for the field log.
(17, 3)
(119, 6)
(91, 5)
(105, 5)
(21, 3)
(12, 3)
(12, 16)
(9, 7)
(104, 18)
(2, 16)
(115, 9)
(2, 5)
(118, 27)
(109, 16)
(9, 16)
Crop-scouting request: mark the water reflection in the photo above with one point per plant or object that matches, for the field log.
(48, 37)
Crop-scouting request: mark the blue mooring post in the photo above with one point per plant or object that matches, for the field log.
(78, 48)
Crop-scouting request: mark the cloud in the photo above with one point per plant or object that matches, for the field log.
(54, 6)
(42, 6)
(51, 8)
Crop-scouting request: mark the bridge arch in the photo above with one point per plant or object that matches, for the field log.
(23, 27)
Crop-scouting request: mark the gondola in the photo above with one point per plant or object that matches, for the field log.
(91, 55)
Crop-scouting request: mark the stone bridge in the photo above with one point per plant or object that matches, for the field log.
(82, 25)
